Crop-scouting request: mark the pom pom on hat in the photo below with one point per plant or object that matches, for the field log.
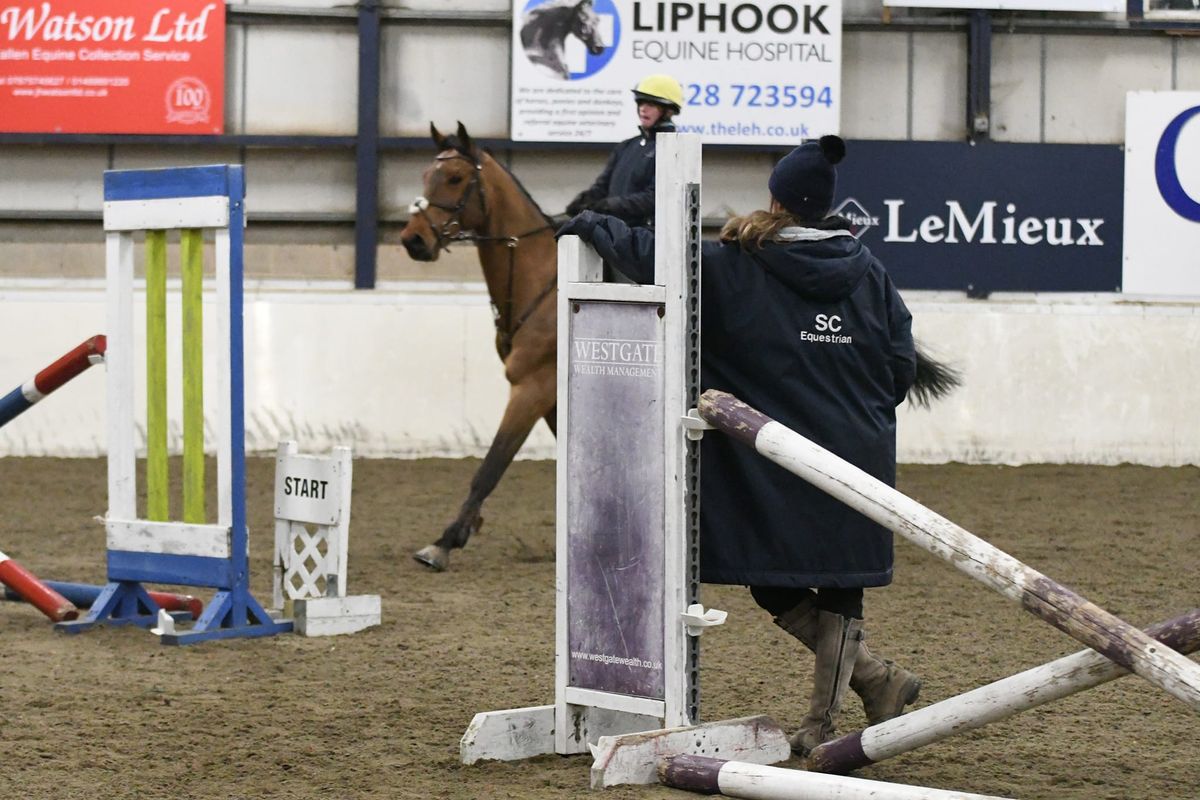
(805, 179)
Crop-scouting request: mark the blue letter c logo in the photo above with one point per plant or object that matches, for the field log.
(1167, 173)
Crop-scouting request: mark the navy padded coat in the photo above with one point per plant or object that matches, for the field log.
(814, 334)
(626, 185)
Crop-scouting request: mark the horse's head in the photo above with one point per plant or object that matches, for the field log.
(585, 25)
(452, 202)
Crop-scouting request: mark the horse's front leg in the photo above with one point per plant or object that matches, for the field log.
(528, 401)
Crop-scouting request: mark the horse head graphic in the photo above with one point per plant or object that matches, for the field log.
(545, 30)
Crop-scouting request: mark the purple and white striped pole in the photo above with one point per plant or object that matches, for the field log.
(1117, 640)
(757, 782)
(991, 703)
(52, 377)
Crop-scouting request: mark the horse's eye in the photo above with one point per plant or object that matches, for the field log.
(454, 180)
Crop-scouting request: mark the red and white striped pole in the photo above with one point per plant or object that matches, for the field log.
(64, 369)
(38, 594)
(84, 595)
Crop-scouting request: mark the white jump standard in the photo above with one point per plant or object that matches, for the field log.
(627, 515)
(154, 550)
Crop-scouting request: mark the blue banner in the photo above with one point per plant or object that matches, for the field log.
(988, 217)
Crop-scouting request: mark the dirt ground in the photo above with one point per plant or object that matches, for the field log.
(379, 714)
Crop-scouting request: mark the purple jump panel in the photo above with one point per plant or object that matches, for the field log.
(615, 503)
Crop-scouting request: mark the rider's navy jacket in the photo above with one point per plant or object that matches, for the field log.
(628, 178)
(813, 333)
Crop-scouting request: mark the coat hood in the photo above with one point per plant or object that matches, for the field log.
(825, 266)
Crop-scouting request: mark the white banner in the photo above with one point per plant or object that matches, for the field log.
(1162, 193)
(756, 72)
(1019, 5)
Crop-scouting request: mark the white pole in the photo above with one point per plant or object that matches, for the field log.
(1064, 609)
(992, 703)
(759, 782)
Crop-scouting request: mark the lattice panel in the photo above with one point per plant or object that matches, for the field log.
(310, 563)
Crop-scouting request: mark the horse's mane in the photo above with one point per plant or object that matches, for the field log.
(551, 5)
(453, 143)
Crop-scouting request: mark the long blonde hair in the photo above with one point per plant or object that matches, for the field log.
(751, 230)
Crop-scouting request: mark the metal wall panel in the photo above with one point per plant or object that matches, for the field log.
(875, 78)
(863, 8)
(1087, 78)
(290, 3)
(735, 183)
(939, 86)
(235, 79)
(61, 179)
(1017, 88)
(1187, 64)
(400, 181)
(444, 75)
(459, 5)
(301, 80)
(150, 157)
(306, 182)
(554, 181)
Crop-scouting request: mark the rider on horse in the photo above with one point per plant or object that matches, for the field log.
(625, 189)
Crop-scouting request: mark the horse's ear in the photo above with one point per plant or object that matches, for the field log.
(464, 138)
(438, 139)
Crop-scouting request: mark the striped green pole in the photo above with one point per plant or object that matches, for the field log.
(191, 257)
(157, 502)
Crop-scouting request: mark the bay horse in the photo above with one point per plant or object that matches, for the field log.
(546, 28)
(471, 197)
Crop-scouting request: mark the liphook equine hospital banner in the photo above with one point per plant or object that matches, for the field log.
(761, 72)
(98, 66)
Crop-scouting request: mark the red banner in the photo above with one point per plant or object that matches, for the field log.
(98, 66)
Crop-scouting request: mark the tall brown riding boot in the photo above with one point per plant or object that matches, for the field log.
(885, 688)
(837, 647)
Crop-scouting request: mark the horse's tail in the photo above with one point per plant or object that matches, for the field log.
(934, 380)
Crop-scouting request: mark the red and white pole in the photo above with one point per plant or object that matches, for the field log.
(38, 594)
(64, 369)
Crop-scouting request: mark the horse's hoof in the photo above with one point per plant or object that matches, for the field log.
(435, 557)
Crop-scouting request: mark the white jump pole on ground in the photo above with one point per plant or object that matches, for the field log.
(991, 703)
(1117, 640)
(757, 782)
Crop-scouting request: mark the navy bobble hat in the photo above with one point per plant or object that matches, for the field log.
(804, 180)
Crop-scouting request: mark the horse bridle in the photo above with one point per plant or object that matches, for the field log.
(452, 231)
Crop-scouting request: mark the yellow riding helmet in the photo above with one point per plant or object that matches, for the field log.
(661, 89)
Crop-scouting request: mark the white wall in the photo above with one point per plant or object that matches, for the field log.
(408, 370)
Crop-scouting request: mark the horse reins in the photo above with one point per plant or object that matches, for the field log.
(452, 231)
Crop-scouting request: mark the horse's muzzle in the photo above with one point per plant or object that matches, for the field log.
(417, 249)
